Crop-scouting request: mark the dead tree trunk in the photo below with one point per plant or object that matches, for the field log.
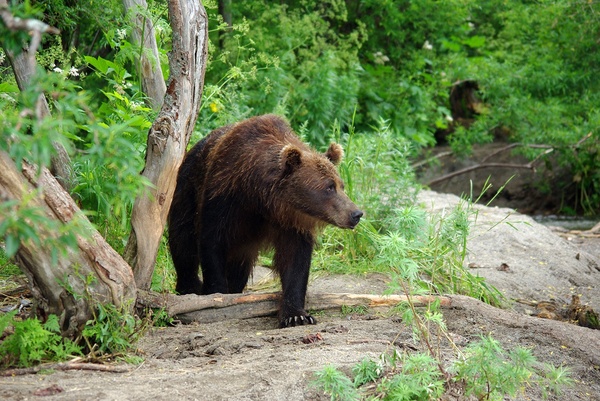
(60, 286)
(169, 135)
(148, 62)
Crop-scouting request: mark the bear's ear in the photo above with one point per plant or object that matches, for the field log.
(291, 159)
(335, 153)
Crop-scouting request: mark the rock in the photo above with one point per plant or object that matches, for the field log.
(539, 264)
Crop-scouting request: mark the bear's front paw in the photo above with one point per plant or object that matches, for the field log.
(299, 320)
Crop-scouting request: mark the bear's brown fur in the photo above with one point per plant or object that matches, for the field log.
(247, 187)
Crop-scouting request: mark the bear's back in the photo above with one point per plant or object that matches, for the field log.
(247, 157)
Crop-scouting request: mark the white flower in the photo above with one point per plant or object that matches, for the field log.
(380, 58)
(119, 89)
(56, 69)
(449, 118)
(427, 45)
(121, 33)
(73, 72)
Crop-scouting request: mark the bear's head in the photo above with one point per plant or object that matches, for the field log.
(313, 186)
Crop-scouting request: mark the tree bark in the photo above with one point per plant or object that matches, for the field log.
(61, 286)
(153, 83)
(225, 11)
(169, 135)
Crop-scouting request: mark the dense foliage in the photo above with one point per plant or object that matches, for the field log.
(353, 62)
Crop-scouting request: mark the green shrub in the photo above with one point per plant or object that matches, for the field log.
(491, 373)
(32, 342)
(112, 331)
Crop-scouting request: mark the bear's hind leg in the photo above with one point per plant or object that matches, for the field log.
(184, 251)
(188, 281)
(238, 272)
(213, 268)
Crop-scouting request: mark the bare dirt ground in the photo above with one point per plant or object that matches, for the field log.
(252, 360)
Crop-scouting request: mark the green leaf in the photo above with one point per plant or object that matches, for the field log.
(52, 324)
(450, 45)
(102, 65)
(11, 245)
(8, 87)
(475, 41)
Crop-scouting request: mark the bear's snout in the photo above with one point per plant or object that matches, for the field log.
(355, 217)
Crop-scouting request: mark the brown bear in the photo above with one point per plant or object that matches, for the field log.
(247, 187)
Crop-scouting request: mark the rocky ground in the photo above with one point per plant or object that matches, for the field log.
(252, 360)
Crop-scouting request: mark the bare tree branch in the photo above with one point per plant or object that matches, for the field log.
(483, 164)
(169, 135)
(153, 83)
(531, 165)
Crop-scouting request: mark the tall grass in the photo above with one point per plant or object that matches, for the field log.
(397, 235)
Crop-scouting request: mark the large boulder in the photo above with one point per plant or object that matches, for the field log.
(539, 265)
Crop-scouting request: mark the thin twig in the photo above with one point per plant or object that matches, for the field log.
(483, 164)
(369, 341)
(512, 146)
(19, 24)
(33, 26)
(477, 167)
(430, 159)
(65, 366)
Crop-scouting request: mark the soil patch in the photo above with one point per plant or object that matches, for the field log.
(252, 360)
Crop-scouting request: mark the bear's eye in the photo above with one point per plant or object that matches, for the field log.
(330, 188)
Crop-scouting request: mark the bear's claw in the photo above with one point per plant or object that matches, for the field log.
(300, 320)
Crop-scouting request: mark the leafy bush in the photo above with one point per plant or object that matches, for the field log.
(289, 60)
(112, 331)
(535, 79)
(491, 373)
(32, 342)
(486, 371)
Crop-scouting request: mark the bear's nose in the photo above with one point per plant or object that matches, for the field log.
(356, 215)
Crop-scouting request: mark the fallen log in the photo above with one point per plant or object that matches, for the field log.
(217, 307)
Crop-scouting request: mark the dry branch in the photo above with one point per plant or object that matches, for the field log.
(484, 164)
(148, 61)
(465, 170)
(531, 165)
(64, 366)
(54, 284)
(169, 135)
(216, 307)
